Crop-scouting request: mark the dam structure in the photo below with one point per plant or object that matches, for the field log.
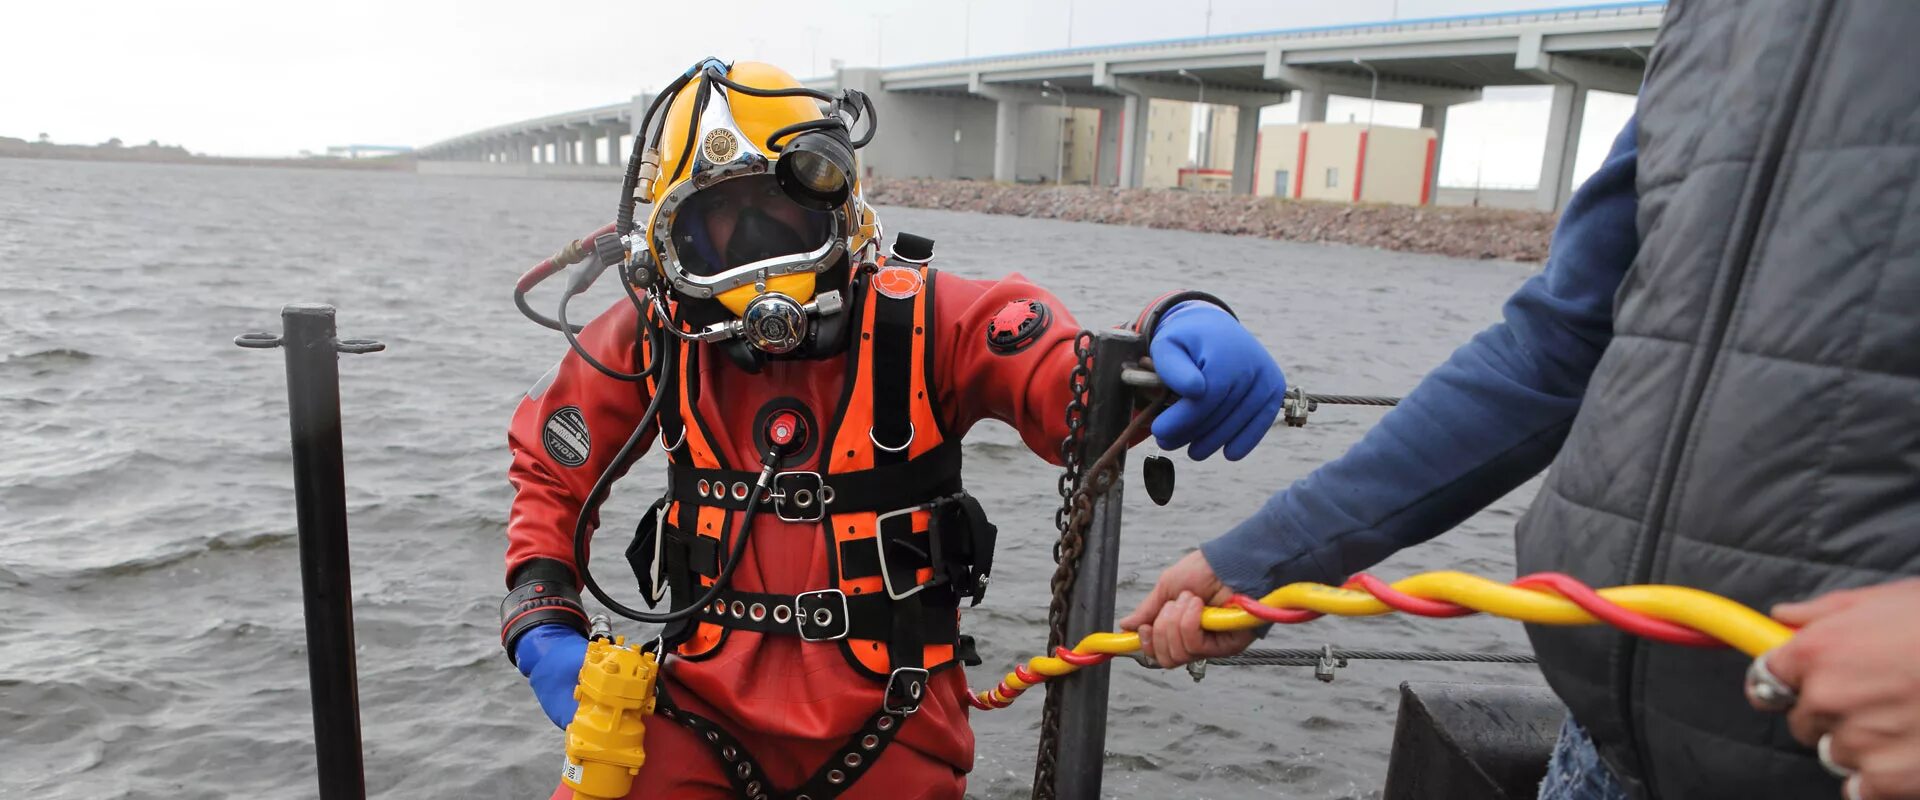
(1002, 117)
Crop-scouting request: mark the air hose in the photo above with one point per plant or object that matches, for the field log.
(1673, 614)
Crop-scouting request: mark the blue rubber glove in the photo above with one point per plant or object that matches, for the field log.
(550, 656)
(1230, 389)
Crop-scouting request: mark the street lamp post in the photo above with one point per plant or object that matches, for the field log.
(1372, 96)
(880, 39)
(1206, 137)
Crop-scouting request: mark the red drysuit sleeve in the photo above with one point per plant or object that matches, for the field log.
(1023, 385)
(566, 431)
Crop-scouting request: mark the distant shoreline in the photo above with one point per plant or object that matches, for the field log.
(1454, 231)
(153, 153)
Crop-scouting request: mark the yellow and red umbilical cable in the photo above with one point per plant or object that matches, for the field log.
(1672, 614)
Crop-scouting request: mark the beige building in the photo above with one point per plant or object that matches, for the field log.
(1346, 162)
(1075, 144)
(1082, 146)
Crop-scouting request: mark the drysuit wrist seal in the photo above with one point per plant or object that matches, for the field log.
(545, 595)
(1165, 305)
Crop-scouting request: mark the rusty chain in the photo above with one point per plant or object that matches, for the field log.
(1066, 550)
(1079, 485)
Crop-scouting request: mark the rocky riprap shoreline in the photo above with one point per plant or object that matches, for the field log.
(1448, 231)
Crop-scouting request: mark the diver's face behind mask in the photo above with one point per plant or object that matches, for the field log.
(745, 227)
(744, 221)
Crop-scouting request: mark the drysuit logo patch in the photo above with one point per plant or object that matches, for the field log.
(565, 437)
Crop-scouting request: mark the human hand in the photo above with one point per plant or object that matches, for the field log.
(1856, 666)
(1168, 618)
(550, 656)
(1229, 386)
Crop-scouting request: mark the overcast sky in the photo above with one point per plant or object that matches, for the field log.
(260, 77)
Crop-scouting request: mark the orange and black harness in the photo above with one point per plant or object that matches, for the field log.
(905, 541)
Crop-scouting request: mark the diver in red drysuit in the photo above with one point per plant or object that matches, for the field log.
(980, 350)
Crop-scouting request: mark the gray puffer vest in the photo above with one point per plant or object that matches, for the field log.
(1754, 427)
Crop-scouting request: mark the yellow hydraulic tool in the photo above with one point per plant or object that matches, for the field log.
(604, 740)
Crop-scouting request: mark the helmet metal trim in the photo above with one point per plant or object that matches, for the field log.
(660, 236)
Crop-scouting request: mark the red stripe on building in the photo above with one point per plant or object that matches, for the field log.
(1300, 166)
(1360, 167)
(1426, 173)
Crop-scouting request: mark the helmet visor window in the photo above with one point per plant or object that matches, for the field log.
(740, 221)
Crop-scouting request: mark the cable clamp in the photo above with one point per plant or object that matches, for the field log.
(1323, 669)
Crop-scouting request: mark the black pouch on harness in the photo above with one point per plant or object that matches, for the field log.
(967, 538)
(643, 555)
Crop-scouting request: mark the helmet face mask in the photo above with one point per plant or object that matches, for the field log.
(690, 220)
(720, 148)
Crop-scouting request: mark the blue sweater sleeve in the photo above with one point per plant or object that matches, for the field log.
(1482, 423)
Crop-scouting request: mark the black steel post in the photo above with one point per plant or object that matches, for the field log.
(1083, 702)
(320, 496)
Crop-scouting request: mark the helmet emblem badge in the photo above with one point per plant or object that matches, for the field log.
(720, 146)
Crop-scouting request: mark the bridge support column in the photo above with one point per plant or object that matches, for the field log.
(1133, 140)
(1564, 115)
(1313, 105)
(1434, 116)
(1106, 167)
(616, 155)
(1246, 143)
(590, 146)
(1006, 140)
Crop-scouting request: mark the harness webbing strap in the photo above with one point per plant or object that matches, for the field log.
(934, 474)
(867, 616)
(842, 769)
(893, 369)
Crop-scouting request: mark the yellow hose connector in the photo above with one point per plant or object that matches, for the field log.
(604, 750)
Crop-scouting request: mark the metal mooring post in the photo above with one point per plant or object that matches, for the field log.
(320, 496)
(1083, 697)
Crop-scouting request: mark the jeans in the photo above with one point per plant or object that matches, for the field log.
(1576, 771)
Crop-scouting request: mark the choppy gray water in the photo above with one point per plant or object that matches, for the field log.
(150, 617)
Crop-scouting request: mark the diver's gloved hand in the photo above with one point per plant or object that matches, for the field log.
(550, 656)
(1230, 388)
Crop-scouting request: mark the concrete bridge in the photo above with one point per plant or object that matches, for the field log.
(968, 118)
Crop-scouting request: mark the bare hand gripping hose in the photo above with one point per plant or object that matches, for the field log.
(1674, 614)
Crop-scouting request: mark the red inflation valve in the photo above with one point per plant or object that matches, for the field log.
(786, 431)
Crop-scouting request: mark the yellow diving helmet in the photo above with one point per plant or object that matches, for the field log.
(754, 192)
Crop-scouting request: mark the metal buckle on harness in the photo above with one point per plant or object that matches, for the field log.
(880, 546)
(905, 686)
(821, 615)
(805, 494)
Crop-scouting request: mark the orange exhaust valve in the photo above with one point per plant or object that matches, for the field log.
(604, 740)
